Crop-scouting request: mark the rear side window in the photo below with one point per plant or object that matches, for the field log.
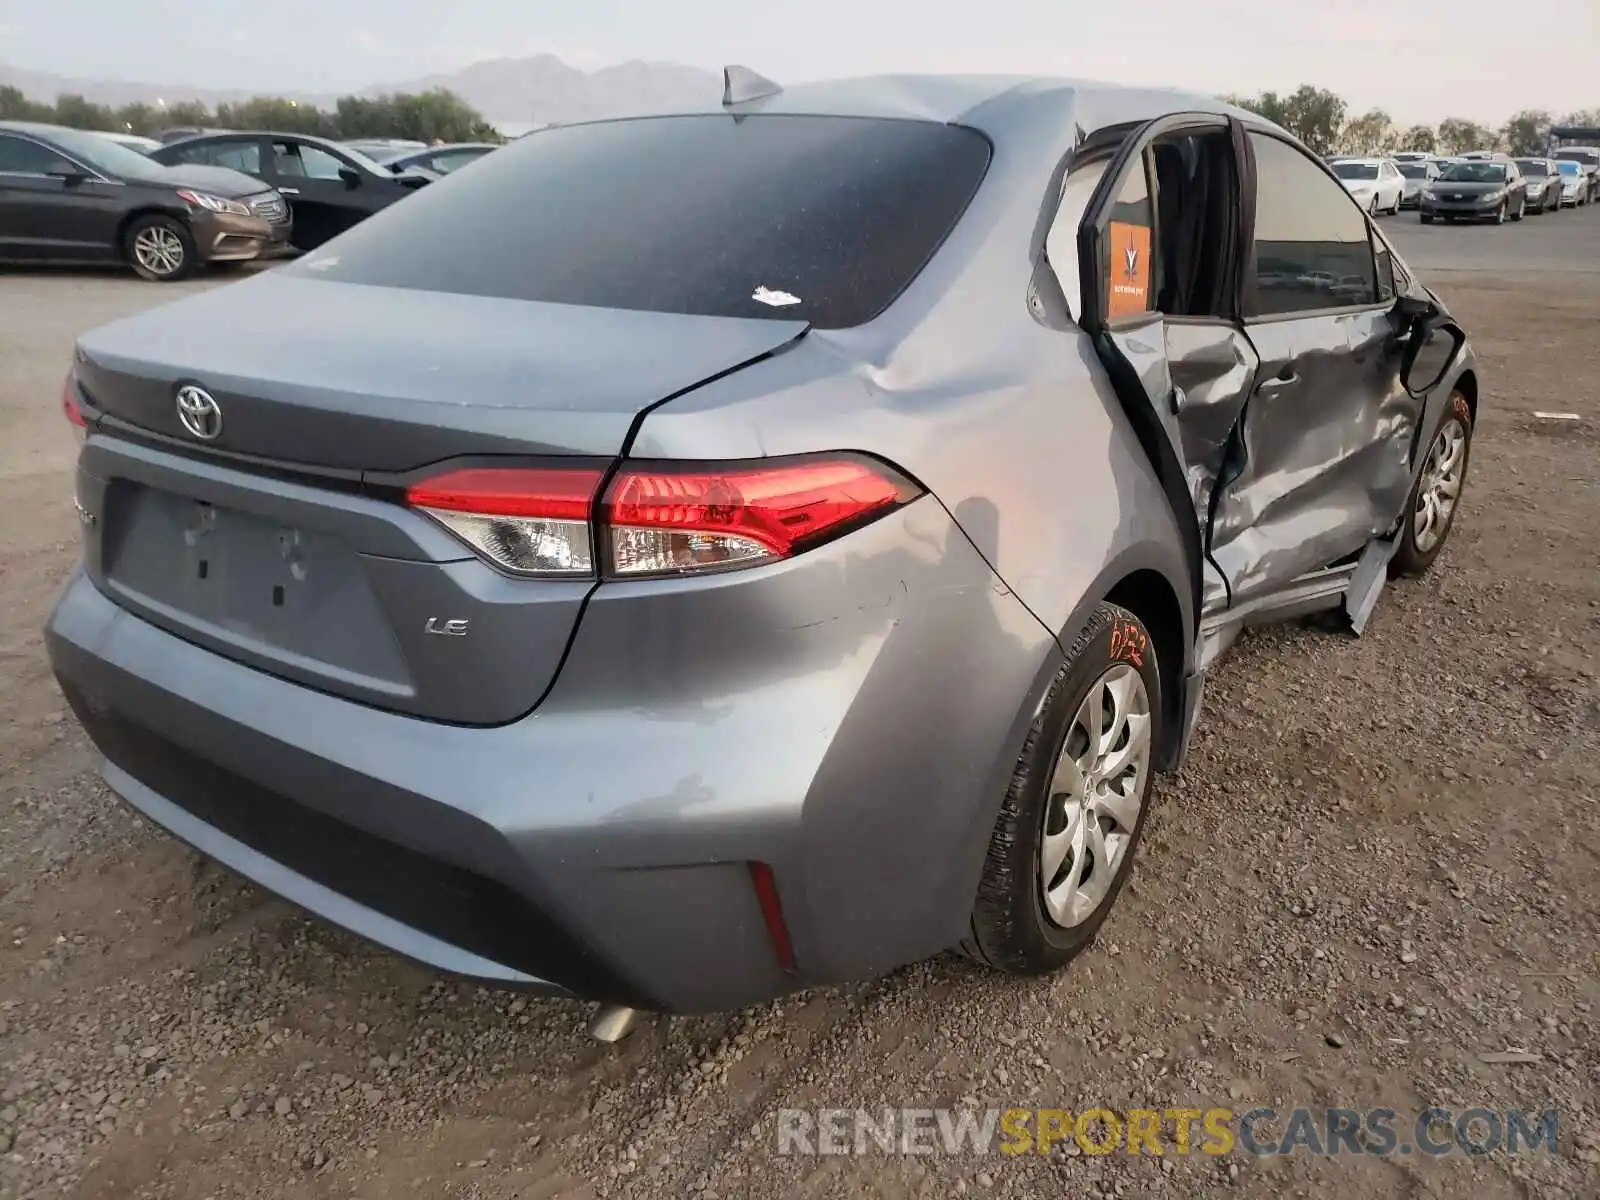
(19, 156)
(240, 156)
(821, 219)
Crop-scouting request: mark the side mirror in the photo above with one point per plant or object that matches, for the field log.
(1432, 350)
(1411, 309)
(351, 177)
(67, 173)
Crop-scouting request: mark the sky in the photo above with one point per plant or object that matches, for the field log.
(1421, 60)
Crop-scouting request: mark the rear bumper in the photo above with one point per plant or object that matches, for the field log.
(598, 847)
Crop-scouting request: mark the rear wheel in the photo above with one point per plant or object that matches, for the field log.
(1064, 841)
(159, 248)
(1431, 510)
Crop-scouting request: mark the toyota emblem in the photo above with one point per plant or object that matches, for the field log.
(199, 413)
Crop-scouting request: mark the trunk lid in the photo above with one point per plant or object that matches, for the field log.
(271, 544)
(358, 378)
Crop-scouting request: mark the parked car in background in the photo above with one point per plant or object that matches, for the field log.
(70, 195)
(1574, 183)
(178, 132)
(1376, 183)
(1587, 157)
(132, 141)
(1542, 183)
(381, 149)
(440, 160)
(330, 187)
(667, 593)
(1476, 190)
(1418, 174)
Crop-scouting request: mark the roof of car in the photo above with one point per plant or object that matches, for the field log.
(310, 138)
(988, 102)
(39, 128)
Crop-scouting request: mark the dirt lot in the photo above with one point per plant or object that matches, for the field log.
(1379, 863)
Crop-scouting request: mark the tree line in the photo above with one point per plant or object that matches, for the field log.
(1316, 116)
(421, 116)
(1321, 120)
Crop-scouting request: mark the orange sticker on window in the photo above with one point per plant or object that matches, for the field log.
(1129, 290)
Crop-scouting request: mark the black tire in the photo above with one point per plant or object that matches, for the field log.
(1011, 929)
(1499, 217)
(1410, 559)
(170, 232)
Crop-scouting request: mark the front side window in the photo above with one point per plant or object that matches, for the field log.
(19, 156)
(1312, 246)
(812, 218)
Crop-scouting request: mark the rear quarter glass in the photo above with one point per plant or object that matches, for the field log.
(818, 219)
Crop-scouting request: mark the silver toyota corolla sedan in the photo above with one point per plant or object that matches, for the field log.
(688, 558)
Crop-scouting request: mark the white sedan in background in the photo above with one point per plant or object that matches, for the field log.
(1376, 183)
(1574, 183)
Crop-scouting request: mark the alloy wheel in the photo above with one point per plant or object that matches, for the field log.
(159, 250)
(1096, 795)
(1441, 485)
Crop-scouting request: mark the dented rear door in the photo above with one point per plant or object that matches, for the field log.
(1183, 380)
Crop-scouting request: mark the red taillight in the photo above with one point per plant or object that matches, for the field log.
(69, 403)
(657, 518)
(671, 518)
(531, 521)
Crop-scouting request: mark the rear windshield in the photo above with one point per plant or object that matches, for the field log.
(1568, 167)
(1533, 166)
(820, 219)
(1414, 170)
(1355, 170)
(1587, 157)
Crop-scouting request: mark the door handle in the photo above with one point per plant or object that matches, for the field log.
(283, 191)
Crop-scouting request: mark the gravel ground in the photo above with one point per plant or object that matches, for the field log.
(1378, 865)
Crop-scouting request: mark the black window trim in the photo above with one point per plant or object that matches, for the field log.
(1304, 313)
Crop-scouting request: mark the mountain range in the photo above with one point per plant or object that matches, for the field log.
(507, 91)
